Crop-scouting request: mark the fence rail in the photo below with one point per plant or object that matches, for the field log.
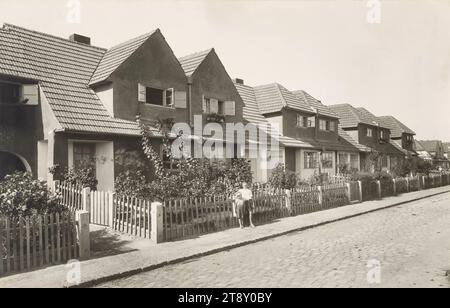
(28, 243)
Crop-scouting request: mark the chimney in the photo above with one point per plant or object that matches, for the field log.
(80, 39)
(239, 81)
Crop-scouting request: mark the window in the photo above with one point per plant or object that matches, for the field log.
(369, 132)
(215, 106)
(311, 160)
(327, 160)
(332, 126)
(384, 161)
(9, 93)
(354, 161)
(312, 122)
(300, 121)
(84, 156)
(322, 125)
(343, 159)
(206, 105)
(155, 96)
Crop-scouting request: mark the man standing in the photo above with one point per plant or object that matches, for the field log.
(244, 201)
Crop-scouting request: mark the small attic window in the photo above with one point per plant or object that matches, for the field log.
(9, 93)
(15, 93)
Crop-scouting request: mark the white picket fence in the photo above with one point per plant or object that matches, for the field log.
(128, 215)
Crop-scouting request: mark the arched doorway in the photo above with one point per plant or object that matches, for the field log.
(10, 163)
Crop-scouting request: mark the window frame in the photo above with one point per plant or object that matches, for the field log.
(327, 157)
(91, 161)
(300, 120)
(369, 132)
(312, 162)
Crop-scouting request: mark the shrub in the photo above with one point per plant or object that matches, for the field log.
(282, 178)
(83, 176)
(21, 196)
(194, 178)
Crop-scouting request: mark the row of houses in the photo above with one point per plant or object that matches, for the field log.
(64, 102)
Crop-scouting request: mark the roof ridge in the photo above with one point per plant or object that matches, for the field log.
(283, 100)
(7, 26)
(206, 51)
(124, 43)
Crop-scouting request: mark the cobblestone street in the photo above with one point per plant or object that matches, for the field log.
(411, 242)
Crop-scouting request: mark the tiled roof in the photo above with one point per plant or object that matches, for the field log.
(63, 69)
(252, 114)
(418, 146)
(351, 116)
(115, 56)
(274, 97)
(369, 117)
(250, 110)
(397, 128)
(430, 145)
(398, 146)
(316, 104)
(446, 147)
(343, 134)
(191, 62)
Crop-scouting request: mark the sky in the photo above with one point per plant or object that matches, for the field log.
(398, 65)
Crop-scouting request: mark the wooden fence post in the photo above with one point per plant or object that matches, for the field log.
(379, 189)
(111, 210)
(360, 191)
(349, 193)
(157, 228)
(319, 188)
(395, 187)
(86, 193)
(54, 186)
(83, 235)
(288, 201)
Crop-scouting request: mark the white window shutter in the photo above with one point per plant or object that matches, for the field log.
(204, 107)
(180, 99)
(214, 105)
(30, 94)
(142, 93)
(230, 108)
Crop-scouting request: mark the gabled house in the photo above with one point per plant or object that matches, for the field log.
(400, 134)
(436, 150)
(212, 96)
(252, 115)
(314, 128)
(447, 150)
(421, 152)
(367, 130)
(65, 102)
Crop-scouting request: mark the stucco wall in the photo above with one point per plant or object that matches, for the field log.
(153, 64)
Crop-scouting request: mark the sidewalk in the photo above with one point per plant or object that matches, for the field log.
(141, 255)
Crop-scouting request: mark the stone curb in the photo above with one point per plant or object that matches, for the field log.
(129, 273)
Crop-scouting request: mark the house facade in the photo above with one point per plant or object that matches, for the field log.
(308, 130)
(213, 101)
(401, 134)
(73, 104)
(368, 131)
(436, 151)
